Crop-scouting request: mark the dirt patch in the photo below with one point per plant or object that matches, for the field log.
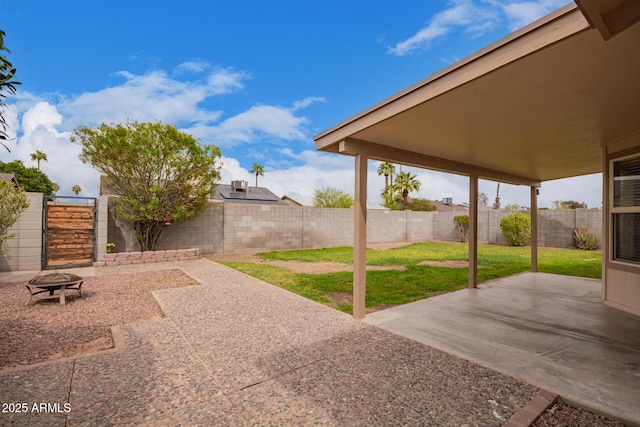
(447, 264)
(346, 298)
(45, 330)
(386, 246)
(300, 266)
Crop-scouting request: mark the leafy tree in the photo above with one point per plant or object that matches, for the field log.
(38, 156)
(387, 169)
(483, 199)
(56, 188)
(8, 84)
(461, 222)
(568, 204)
(258, 169)
(157, 172)
(13, 202)
(30, 179)
(76, 189)
(424, 205)
(513, 207)
(496, 204)
(390, 198)
(406, 183)
(329, 197)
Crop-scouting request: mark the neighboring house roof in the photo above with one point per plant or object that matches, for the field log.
(442, 207)
(254, 195)
(532, 107)
(290, 201)
(10, 177)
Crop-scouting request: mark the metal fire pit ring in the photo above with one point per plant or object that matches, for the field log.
(54, 282)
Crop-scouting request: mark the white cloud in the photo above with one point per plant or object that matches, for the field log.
(475, 18)
(46, 125)
(521, 13)
(152, 97)
(40, 132)
(299, 105)
(461, 13)
(258, 123)
(192, 67)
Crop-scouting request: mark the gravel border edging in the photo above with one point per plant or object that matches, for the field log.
(119, 344)
(525, 416)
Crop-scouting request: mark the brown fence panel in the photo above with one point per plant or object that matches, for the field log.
(69, 233)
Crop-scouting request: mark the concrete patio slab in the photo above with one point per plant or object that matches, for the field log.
(550, 330)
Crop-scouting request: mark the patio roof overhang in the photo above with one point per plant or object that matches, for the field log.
(537, 105)
(532, 107)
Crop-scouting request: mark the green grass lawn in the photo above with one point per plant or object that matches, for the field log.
(417, 281)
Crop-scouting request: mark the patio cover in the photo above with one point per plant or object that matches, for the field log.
(534, 106)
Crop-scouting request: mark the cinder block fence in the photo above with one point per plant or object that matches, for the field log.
(236, 228)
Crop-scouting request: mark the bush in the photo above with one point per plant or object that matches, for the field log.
(516, 228)
(423, 205)
(12, 203)
(461, 223)
(585, 239)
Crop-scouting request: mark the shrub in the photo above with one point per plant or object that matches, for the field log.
(585, 239)
(516, 228)
(422, 205)
(12, 203)
(461, 223)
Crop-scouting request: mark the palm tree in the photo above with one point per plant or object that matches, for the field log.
(38, 156)
(405, 183)
(386, 169)
(76, 189)
(258, 169)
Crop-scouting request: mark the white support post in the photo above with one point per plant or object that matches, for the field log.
(360, 238)
(534, 229)
(473, 232)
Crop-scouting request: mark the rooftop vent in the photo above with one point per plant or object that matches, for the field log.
(447, 200)
(240, 186)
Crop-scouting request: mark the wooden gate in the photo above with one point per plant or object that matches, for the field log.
(69, 235)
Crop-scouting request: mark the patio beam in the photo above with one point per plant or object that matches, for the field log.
(384, 153)
(473, 232)
(360, 237)
(534, 229)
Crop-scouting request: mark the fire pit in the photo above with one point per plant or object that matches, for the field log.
(54, 282)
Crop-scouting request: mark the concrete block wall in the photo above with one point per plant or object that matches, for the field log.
(420, 226)
(385, 226)
(252, 228)
(323, 227)
(204, 232)
(102, 234)
(25, 248)
(236, 228)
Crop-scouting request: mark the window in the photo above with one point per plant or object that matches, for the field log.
(625, 209)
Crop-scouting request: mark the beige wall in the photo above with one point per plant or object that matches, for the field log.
(25, 248)
(621, 281)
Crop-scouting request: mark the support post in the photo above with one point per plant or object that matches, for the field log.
(473, 231)
(360, 238)
(534, 229)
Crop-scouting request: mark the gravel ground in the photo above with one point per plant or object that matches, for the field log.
(561, 414)
(46, 330)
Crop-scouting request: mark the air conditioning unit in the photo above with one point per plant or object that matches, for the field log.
(240, 186)
(447, 200)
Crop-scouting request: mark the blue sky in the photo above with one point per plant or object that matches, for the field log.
(258, 79)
